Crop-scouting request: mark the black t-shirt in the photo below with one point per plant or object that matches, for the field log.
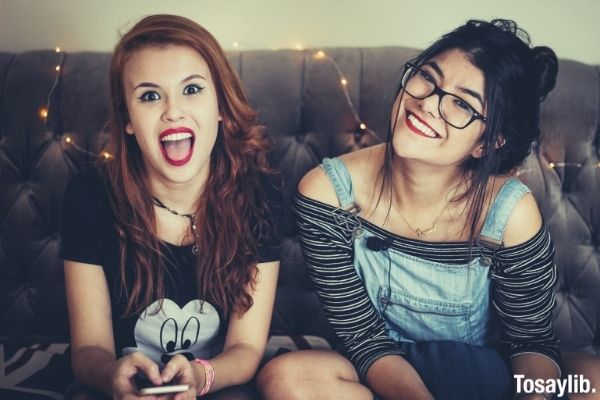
(185, 323)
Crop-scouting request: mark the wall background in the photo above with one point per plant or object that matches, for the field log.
(570, 27)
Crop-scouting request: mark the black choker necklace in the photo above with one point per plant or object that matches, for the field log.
(160, 204)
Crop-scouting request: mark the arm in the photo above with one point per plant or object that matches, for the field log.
(246, 334)
(525, 287)
(93, 358)
(328, 252)
(92, 344)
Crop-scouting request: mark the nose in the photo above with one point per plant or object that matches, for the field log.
(172, 111)
(431, 104)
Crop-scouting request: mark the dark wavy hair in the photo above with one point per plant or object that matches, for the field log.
(232, 211)
(517, 79)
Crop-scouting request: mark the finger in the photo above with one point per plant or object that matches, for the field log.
(148, 367)
(177, 366)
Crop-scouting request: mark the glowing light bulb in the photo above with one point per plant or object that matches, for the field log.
(68, 139)
(362, 126)
(320, 54)
(551, 165)
(106, 155)
(344, 81)
(57, 49)
(57, 68)
(44, 112)
(236, 44)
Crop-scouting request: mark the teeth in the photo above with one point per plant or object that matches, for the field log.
(421, 126)
(173, 137)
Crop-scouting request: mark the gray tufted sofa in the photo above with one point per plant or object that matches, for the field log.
(300, 99)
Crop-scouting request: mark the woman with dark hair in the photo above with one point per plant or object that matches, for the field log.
(171, 259)
(432, 262)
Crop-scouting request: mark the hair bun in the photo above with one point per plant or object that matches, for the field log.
(545, 69)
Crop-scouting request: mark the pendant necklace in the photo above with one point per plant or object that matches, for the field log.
(160, 204)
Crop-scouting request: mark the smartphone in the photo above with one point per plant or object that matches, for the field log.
(164, 389)
(146, 387)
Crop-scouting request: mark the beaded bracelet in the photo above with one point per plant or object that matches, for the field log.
(209, 375)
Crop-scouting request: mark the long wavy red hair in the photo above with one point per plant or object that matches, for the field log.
(232, 211)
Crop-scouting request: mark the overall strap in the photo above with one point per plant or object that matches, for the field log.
(342, 182)
(497, 217)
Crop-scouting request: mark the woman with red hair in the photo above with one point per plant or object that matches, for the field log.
(171, 258)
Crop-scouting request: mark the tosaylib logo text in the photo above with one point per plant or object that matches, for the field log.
(573, 384)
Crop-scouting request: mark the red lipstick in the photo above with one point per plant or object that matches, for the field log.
(169, 154)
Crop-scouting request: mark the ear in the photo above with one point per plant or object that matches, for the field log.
(477, 151)
(500, 142)
(129, 128)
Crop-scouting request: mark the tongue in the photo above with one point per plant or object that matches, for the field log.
(178, 149)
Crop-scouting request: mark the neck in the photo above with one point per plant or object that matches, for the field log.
(419, 186)
(183, 197)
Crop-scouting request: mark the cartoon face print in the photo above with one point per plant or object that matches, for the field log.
(172, 330)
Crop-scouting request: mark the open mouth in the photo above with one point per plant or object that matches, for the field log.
(419, 126)
(177, 145)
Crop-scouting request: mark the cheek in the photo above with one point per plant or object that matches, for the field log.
(397, 110)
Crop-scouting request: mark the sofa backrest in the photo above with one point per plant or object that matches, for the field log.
(300, 98)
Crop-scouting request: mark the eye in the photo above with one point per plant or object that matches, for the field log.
(190, 332)
(192, 89)
(168, 335)
(149, 96)
(460, 103)
(426, 75)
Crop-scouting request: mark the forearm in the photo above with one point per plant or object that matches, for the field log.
(532, 366)
(236, 365)
(392, 377)
(94, 366)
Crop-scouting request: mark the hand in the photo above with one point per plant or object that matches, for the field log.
(123, 386)
(180, 371)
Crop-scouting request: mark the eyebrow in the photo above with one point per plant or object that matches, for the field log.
(465, 90)
(472, 94)
(154, 85)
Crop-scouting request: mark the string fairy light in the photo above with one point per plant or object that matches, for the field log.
(319, 55)
(361, 127)
(555, 165)
(71, 143)
(43, 111)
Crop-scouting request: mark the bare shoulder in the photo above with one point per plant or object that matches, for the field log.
(317, 186)
(524, 222)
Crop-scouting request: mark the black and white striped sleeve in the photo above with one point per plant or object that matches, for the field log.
(328, 253)
(523, 296)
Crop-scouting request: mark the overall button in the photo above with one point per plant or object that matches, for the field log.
(486, 261)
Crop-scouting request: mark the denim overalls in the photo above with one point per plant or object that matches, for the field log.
(427, 301)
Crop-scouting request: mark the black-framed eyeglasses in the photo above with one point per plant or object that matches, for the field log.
(453, 109)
